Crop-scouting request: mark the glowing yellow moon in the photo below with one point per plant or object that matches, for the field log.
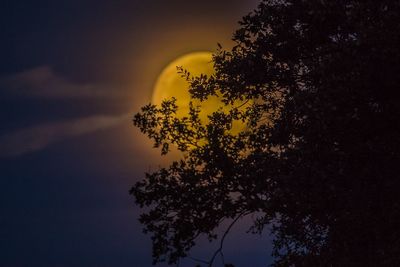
(170, 84)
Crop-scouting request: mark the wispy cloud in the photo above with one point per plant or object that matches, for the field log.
(35, 138)
(43, 81)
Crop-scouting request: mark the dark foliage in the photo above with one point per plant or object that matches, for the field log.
(319, 159)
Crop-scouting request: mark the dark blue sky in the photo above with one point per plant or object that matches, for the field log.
(71, 75)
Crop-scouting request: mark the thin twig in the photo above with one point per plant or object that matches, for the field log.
(222, 257)
(219, 250)
(247, 101)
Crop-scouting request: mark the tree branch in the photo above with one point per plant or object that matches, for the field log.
(219, 250)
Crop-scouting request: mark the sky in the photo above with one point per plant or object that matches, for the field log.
(72, 74)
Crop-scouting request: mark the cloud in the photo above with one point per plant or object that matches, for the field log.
(43, 81)
(35, 138)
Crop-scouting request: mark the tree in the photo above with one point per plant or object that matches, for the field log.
(319, 158)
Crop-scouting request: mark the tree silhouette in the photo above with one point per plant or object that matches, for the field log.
(319, 159)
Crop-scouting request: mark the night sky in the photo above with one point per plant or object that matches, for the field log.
(72, 74)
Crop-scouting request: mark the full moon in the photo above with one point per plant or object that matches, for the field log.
(170, 84)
